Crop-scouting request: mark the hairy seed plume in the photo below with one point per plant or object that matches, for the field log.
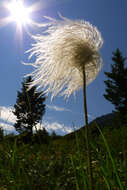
(62, 51)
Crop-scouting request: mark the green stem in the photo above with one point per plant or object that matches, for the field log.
(90, 173)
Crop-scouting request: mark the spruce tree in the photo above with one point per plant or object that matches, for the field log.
(29, 107)
(116, 84)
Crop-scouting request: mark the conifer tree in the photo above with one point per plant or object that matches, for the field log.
(29, 107)
(116, 84)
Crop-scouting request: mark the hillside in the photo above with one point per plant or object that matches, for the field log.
(102, 121)
(59, 163)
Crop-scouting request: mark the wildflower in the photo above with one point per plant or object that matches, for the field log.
(67, 59)
(63, 50)
(32, 157)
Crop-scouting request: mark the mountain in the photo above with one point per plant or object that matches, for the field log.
(102, 121)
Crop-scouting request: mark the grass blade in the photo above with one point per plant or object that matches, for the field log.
(111, 158)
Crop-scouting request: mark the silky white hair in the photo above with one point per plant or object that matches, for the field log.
(63, 49)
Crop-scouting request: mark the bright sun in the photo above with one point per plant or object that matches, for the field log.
(19, 13)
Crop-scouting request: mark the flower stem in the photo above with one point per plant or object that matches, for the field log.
(89, 163)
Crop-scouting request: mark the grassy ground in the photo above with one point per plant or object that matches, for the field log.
(60, 164)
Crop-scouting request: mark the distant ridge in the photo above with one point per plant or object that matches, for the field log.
(102, 121)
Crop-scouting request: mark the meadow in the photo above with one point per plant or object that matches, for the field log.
(59, 162)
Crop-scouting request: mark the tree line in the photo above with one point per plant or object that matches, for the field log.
(30, 104)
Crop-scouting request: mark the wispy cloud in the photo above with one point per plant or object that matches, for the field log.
(57, 108)
(54, 1)
(91, 116)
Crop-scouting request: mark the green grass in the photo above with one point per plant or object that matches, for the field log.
(61, 164)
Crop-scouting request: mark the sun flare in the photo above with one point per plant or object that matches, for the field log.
(18, 12)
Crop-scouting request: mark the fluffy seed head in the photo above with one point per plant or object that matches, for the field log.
(62, 51)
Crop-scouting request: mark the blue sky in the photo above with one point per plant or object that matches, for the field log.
(110, 19)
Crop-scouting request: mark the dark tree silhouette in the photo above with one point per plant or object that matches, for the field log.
(42, 136)
(116, 84)
(29, 107)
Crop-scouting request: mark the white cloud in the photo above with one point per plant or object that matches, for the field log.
(8, 128)
(59, 128)
(7, 115)
(7, 119)
(56, 108)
